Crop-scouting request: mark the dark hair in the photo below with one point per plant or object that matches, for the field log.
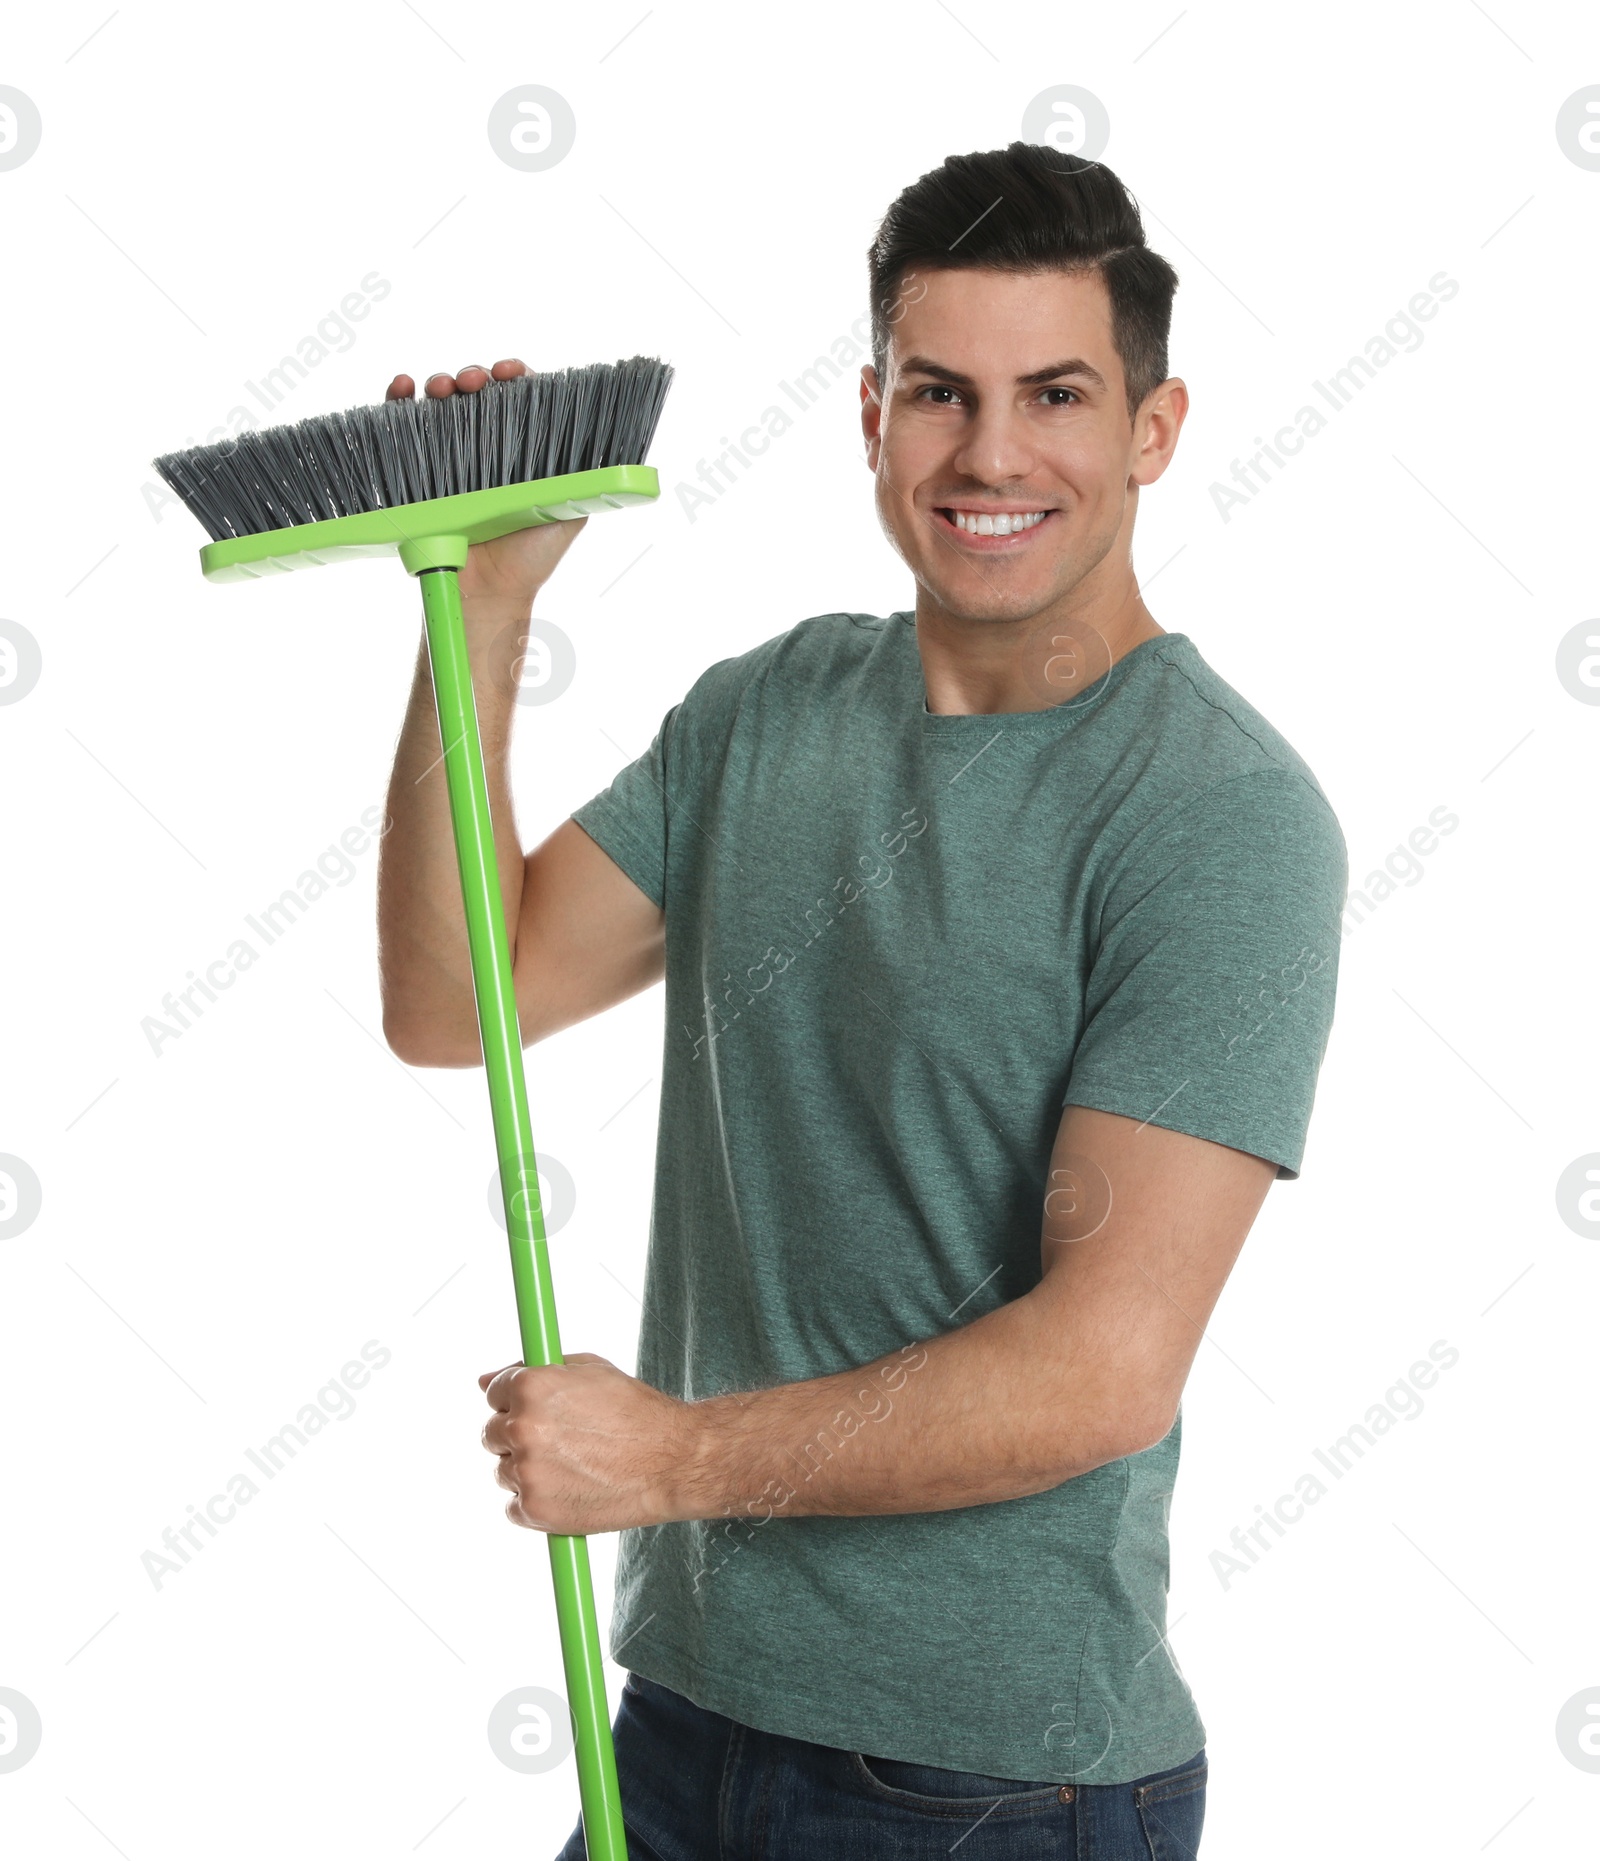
(1030, 208)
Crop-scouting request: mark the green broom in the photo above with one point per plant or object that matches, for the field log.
(425, 480)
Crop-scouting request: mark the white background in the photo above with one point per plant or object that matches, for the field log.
(224, 1225)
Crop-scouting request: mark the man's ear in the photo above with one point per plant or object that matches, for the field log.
(871, 414)
(1155, 430)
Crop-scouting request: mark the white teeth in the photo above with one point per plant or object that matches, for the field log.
(1006, 523)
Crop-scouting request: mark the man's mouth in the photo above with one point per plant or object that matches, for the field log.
(989, 528)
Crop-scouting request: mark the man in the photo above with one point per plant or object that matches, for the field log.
(1000, 943)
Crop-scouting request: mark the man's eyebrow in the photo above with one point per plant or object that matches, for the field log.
(1074, 365)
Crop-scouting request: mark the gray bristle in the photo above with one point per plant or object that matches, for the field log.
(402, 452)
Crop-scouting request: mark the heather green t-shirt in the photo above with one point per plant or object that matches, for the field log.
(897, 944)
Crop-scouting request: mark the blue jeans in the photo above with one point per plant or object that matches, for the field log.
(699, 1787)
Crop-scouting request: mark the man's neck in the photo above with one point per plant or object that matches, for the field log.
(992, 667)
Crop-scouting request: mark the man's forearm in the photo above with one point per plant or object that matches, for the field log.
(429, 1013)
(1006, 1406)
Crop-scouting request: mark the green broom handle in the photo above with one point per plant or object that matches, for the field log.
(519, 1180)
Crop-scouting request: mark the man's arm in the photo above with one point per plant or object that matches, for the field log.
(583, 936)
(1141, 1228)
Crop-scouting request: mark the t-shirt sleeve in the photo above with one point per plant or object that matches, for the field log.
(1210, 995)
(629, 819)
(663, 791)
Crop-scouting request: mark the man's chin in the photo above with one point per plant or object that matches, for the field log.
(968, 598)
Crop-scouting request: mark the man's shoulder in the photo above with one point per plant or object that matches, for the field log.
(1216, 781)
(813, 652)
(1215, 735)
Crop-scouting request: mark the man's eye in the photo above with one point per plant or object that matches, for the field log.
(1073, 397)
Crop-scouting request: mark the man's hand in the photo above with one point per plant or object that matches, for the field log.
(501, 577)
(585, 1447)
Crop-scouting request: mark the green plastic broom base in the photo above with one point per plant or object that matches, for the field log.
(434, 534)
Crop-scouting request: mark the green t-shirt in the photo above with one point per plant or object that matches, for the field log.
(897, 944)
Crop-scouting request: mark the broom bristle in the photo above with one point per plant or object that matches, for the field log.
(402, 452)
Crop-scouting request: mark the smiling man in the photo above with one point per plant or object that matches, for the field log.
(999, 939)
